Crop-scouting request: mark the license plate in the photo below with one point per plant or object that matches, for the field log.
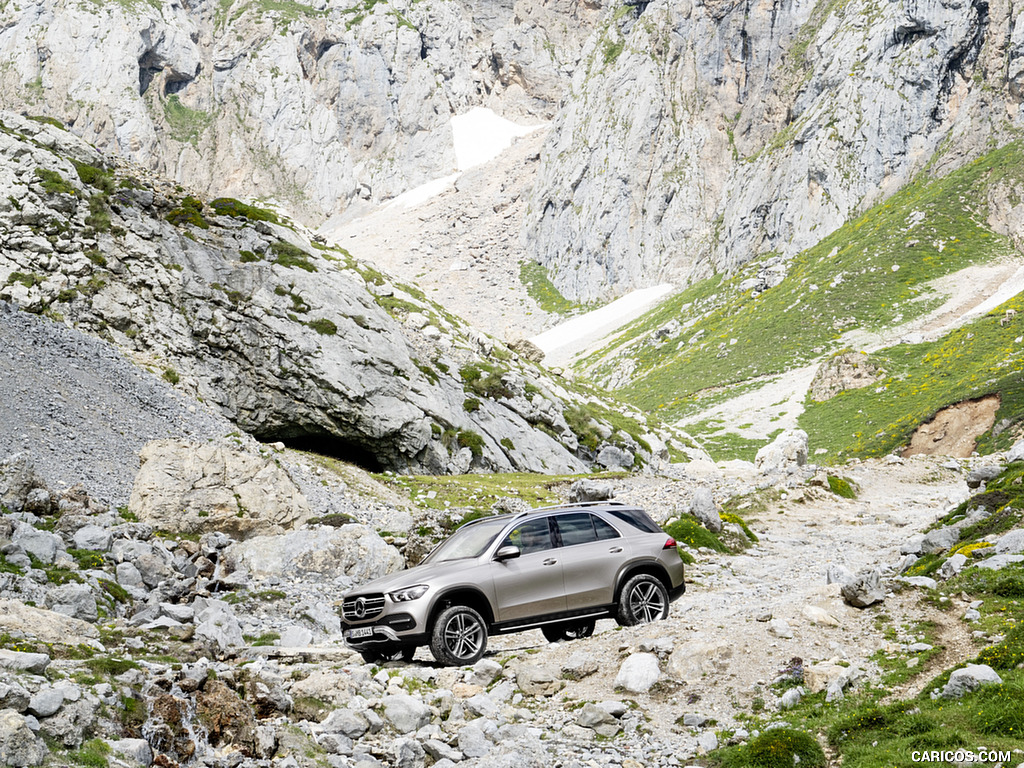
(360, 632)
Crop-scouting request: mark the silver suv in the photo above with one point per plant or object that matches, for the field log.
(559, 569)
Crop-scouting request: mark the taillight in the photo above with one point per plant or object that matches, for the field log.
(670, 543)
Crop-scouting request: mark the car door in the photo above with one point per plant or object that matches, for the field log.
(592, 552)
(531, 584)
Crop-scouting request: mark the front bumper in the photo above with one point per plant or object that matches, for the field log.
(396, 628)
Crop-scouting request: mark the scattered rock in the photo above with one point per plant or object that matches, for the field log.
(864, 590)
(597, 719)
(484, 673)
(638, 673)
(780, 628)
(970, 678)
(579, 665)
(537, 680)
(703, 507)
(405, 712)
(951, 567)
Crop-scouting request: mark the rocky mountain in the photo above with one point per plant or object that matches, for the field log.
(320, 105)
(289, 338)
(698, 136)
(687, 138)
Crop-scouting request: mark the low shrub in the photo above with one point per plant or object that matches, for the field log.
(779, 748)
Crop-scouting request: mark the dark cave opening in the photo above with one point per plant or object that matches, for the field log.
(334, 447)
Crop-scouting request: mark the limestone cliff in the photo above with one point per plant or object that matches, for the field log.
(698, 135)
(317, 105)
(291, 339)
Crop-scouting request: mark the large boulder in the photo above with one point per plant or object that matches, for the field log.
(217, 624)
(74, 600)
(968, 679)
(785, 454)
(46, 626)
(355, 551)
(1010, 543)
(590, 490)
(696, 660)
(192, 488)
(638, 673)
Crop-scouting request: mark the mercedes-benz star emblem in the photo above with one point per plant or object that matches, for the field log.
(360, 608)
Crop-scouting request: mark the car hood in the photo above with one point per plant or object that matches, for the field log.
(434, 574)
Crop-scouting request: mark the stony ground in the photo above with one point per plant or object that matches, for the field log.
(206, 651)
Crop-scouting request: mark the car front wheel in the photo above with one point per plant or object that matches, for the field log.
(643, 599)
(459, 636)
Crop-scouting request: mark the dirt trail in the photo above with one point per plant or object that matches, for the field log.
(731, 655)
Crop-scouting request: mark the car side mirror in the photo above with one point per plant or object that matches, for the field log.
(507, 553)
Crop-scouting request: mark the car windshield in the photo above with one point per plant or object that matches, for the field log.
(468, 541)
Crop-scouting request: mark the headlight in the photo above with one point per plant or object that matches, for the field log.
(409, 593)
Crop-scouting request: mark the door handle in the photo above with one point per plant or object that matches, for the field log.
(615, 549)
(550, 561)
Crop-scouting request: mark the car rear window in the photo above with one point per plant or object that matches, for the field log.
(635, 517)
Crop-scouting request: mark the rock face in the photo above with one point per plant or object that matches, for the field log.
(355, 102)
(288, 338)
(195, 488)
(696, 136)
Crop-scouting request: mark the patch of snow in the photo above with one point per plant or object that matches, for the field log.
(480, 135)
(422, 193)
(574, 337)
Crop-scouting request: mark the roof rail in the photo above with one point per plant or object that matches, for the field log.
(574, 505)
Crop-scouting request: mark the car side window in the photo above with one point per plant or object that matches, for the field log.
(604, 530)
(531, 536)
(576, 528)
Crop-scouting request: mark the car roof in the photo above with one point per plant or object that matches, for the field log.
(594, 506)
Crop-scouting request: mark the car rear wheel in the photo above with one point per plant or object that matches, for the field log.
(570, 630)
(459, 636)
(643, 599)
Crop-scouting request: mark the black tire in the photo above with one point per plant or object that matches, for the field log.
(643, 599)
(570, 630)
(459, 636)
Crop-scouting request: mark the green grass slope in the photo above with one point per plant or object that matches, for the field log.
(870, 274)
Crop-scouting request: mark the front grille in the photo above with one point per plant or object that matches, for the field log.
(362, 607)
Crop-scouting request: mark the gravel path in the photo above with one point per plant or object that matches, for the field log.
(732, 655)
